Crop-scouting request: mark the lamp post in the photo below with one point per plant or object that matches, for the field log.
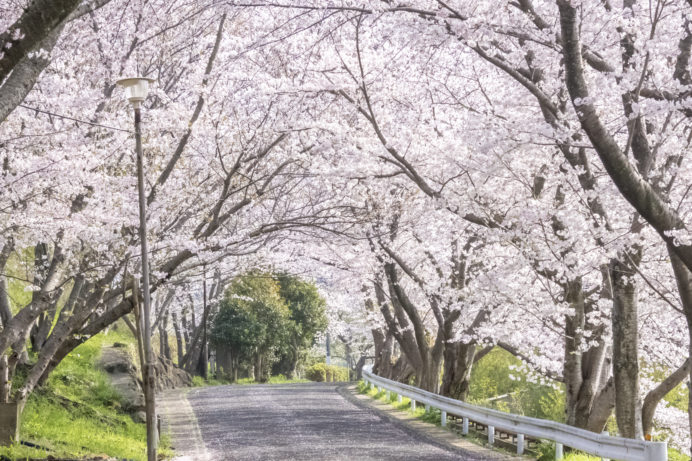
(136, 90)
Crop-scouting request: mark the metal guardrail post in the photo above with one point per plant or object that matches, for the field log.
(558, 451)
(399, 398)
(427, 408)
(387, 395)
(657, 451)
(443, 418)
(491, 435)
(520, 444)
(465, 426)
(605, 433)
(413, 405)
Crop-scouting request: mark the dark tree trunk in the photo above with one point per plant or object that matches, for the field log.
(259, 372)
(458, 361)
(359, 367)
(164, 345)
(428, 376)
(382, 364)
(178, 338)
(402, 370)
(186, 332)
(625, 350)
(589, 397)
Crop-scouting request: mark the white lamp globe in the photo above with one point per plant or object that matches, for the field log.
(136, 88)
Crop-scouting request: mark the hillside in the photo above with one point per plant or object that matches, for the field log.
(78, 414)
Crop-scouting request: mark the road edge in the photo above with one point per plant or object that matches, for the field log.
(442, 438)
(176, 411)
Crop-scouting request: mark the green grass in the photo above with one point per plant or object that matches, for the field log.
(432, 416)
(198, 381)
(77, 413)
(675, 455)
(281, 379)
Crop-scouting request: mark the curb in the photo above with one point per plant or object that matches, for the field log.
(180, 422)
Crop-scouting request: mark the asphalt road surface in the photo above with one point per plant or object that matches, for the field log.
(297, 422)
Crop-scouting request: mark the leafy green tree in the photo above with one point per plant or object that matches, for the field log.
(252, 325)
(266, 322)
(308, 318)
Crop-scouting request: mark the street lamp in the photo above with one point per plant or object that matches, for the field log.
(136, 90)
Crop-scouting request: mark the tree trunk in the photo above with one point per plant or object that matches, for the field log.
(625, 351)
(178, 338)
(186, 333)
(589, 399)
(428, 376)
(683, 279)
(458, 361)
(164, 346)
(191, 358)
(5, 383)
(572, 370)
(359, 367)
(382, 364)
(293, 367)
(5, 309)
(602, 408)
(402, 370)
(259, 375)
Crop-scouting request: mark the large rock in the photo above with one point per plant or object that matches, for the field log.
(169, 376)
(124, 376)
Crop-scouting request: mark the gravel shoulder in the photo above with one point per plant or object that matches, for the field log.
(315, 421)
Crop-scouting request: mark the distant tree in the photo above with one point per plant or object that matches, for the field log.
(251, 326)
(307, 319)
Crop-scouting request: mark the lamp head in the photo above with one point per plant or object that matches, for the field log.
(136, 89)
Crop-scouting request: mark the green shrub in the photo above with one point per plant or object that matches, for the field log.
(323, 373)
(317, 372)
(281, 379)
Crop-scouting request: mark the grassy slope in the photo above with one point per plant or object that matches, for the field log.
(77, 413)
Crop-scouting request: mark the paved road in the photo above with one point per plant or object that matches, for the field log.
(292, 422)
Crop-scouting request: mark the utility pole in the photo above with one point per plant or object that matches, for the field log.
(329, 354)
(203, 364)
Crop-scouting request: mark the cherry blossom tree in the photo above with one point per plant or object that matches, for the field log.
(455, 176)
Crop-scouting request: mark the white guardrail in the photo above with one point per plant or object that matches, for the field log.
(605, 446)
